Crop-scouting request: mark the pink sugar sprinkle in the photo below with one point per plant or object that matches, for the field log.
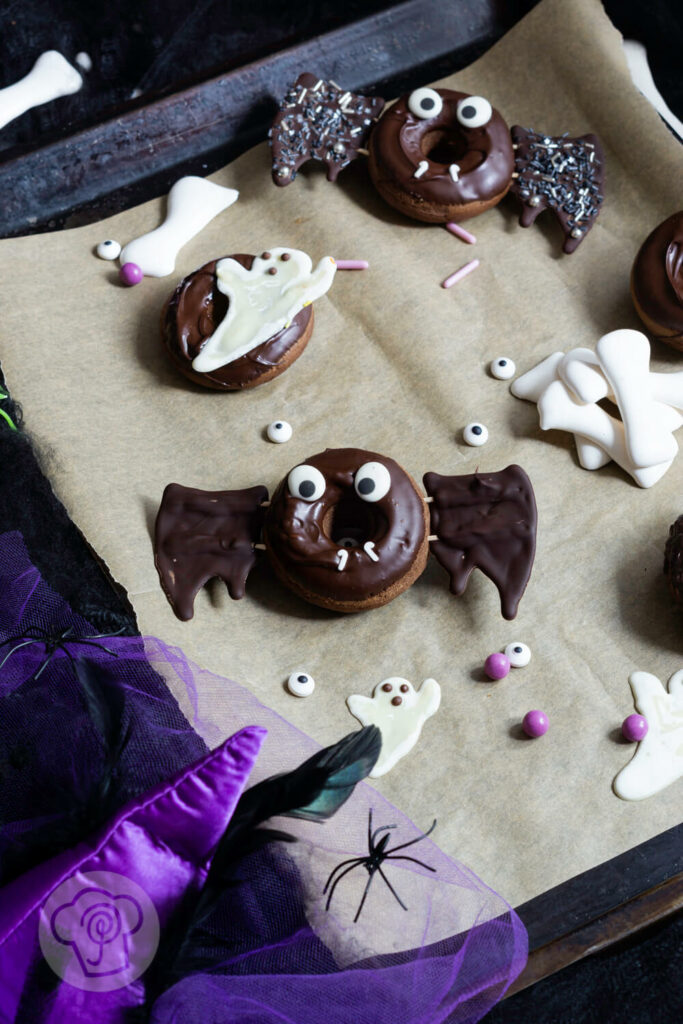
(352, 264)
(455, 229)
(459, 274)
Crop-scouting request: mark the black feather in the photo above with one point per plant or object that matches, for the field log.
(314, 791)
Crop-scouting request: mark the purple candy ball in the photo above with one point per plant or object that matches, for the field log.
(634, 728)
(535, 723)
(497, 666)
(130, 274)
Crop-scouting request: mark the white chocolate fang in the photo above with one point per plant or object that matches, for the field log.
(421, 168)
(343, 557)
(369, 549)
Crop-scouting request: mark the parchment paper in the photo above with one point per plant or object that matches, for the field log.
(398, 365)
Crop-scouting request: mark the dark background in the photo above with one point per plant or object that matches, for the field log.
(161, 46)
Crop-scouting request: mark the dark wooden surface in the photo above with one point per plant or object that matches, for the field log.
(140, 151)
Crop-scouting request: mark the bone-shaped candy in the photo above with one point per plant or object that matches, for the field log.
(50, 77)
(531, 385)
(658, 761)
(192, 203)
(580, 370)
(625, 359)
(558, 410)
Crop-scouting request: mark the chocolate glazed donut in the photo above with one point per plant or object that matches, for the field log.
(657, 282)
(347, 530)
(439, 155)
(191, 316)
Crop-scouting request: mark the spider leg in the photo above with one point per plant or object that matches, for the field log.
(390, 856)
(9, 654)
(351, 860)
(413, 841)
(365, 893)
(336, 883)
(398, 898)
(48, 660)
(382, 828)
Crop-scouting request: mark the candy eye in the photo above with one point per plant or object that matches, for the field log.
(372, 481)
(109, 249)
(474, 112)
(306, 482)
(518, 654)
(301, 684)
(475, 434)
(425, 103)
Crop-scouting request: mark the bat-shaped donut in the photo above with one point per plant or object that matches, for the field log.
(350, 530)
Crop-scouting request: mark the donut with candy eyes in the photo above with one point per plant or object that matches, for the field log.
(348, 530)
(438, 155)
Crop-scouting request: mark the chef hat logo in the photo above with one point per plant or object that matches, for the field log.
(98, 924)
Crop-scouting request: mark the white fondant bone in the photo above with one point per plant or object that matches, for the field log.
(625, 359)
(261, 304)
(559, 410)
(591, 456)
(531, 385)
(192, 203)
(658, 761)
(581, 372)
(400, 726)
(668, 388)
(50, 77)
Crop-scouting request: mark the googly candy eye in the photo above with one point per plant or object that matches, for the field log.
(518, 654)
(425, 103)
(475, 434)
(108, 250)
(279, 431)
(306, 482)
(372, 481)
(503, 368)
(301, 684)
(474, 112)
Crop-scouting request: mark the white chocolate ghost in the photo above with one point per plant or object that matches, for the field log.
(658, 761)
(399, 711)
(263, 300)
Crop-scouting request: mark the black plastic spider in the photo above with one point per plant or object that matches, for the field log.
(373, 862)
(53, 642)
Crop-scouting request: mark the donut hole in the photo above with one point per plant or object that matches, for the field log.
(352, 520)
(444, 146)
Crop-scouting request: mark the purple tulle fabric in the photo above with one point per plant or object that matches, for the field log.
(270, 950)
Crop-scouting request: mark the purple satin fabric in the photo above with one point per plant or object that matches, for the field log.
(272, 952)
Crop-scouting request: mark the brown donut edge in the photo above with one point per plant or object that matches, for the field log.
(417, 567)
(421, 209)
(660, 333)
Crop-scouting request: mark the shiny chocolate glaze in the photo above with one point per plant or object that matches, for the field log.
(658, 275)
(303, 538)
(200, 535)
(197, 307)
(485, 157)
(673, 560)
(485, 521)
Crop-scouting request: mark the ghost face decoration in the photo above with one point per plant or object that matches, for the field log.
(262, 301)
(399, 711)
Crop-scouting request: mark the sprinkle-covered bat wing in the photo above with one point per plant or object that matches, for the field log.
(202, 534)
(318, 120)
(560, 174)
(485, 521)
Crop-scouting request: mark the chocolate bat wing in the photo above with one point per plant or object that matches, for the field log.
(202, 534)
(485, 521)
(562, 174)
(318, 120)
